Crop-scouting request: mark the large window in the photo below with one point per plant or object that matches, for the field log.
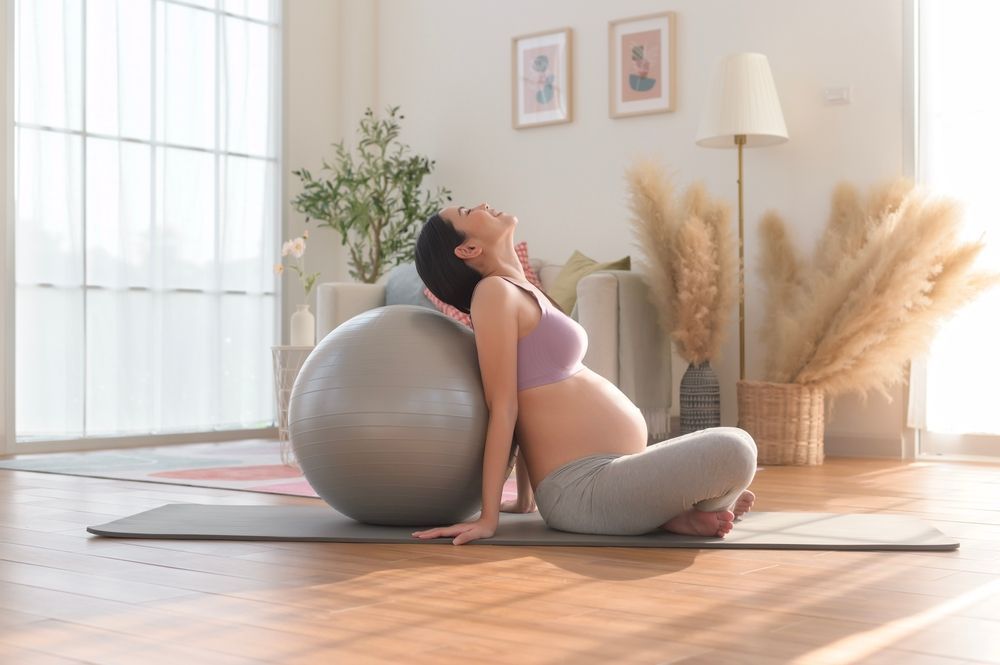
(957, 151)
(146, 216)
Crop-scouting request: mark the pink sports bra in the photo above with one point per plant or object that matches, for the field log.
(554, 348)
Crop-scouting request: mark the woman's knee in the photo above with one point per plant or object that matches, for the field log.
(738, 448)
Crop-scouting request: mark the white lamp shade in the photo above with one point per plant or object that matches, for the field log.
(742, 100)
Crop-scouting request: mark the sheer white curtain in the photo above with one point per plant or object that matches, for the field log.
(146, 215)
(958, 147)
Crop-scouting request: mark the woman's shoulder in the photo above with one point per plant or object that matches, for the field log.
(493, 286)
(493, 296)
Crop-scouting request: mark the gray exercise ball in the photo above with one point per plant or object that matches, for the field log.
(388, 421)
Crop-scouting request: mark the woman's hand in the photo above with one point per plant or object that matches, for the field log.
(517, 506)
(464, 532)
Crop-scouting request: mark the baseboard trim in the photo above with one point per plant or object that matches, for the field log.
(103, 443)
(857, 445)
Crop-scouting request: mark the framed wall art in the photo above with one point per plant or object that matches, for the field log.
(641, 64)
(541, 73)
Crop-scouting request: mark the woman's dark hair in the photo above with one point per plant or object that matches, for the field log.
(447, 276)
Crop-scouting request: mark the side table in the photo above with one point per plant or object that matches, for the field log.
(288, 360)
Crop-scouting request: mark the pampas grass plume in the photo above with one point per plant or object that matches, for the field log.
(888, 270)
(782, 276)
(654, 224)
(688, 258)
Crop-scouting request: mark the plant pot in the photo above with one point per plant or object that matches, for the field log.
(785, 419)
(699, 398)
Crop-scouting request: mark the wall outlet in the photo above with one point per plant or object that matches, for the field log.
(837, 95)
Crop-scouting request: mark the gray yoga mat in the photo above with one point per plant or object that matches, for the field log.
(757, 530)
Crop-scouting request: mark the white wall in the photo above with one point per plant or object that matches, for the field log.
(447, 62)
(310, 116)
(330, 55)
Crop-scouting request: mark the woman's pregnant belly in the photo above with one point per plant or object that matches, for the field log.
(582, 415)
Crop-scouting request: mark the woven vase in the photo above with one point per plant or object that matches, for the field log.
(785, 419)
(699, 397)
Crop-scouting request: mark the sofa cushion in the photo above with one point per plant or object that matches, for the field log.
(576, 268)
(448, 310)
(403, 287)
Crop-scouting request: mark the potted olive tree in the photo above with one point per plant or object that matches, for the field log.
(372, 197)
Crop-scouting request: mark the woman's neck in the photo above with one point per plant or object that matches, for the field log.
(506, 264)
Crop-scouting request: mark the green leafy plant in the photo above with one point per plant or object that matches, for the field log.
(373, 197)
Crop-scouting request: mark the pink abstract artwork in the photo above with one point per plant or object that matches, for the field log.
(641, 66)
(540, 79)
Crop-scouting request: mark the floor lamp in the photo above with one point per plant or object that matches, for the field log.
(742, 109)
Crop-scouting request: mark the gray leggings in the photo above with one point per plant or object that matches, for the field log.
(635, 494)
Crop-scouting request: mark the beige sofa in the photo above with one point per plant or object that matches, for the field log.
(625, 342)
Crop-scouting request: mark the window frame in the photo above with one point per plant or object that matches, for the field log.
(7, 437)
(919, 442)
(9, 445)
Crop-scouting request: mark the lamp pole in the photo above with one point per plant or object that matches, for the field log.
(742, 109)
(741, 139)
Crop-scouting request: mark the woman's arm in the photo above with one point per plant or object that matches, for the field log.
(494, 475)
(525, 502)
(495, 459)
(492, 312)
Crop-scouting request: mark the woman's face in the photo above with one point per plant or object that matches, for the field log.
(483, 226)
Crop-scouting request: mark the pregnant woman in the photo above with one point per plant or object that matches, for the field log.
(582, 455)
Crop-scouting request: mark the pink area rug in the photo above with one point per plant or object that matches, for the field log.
(250, 465)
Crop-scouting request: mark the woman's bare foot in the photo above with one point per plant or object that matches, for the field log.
(743, 504)
(693, 522)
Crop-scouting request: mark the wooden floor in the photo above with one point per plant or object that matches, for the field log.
(66, 596)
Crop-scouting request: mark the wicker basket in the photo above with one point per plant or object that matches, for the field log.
(785, 419)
